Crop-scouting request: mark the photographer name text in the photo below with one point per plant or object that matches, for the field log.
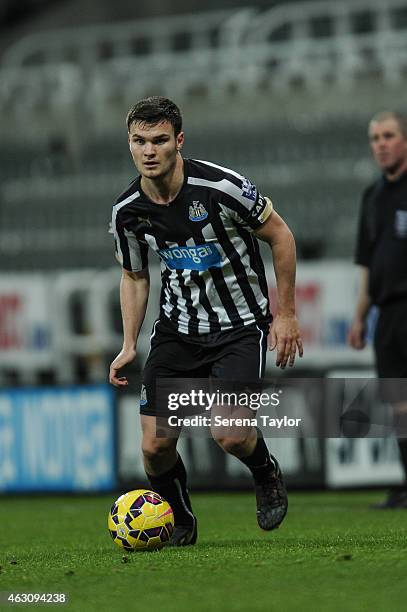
(200, 420)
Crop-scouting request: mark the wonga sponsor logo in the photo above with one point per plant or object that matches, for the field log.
(200, 257)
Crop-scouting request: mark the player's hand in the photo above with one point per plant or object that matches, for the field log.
(356, 335)
(286, 336)
(123, 358)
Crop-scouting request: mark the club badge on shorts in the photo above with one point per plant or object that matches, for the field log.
(143, 396)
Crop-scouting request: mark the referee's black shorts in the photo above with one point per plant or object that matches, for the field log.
(234, 355)
(390, 344)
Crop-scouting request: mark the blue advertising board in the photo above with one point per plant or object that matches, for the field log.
(57, 439)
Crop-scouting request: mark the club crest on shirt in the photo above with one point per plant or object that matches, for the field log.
(197, 211)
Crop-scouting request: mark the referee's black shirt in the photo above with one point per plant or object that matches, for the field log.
(382, 239)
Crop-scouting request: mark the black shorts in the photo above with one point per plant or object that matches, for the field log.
(238, 355)
(390, 344)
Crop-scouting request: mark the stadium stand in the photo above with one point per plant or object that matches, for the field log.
(310, 41)
(66, 213)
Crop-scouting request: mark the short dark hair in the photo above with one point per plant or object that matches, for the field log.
(399, 118)
(153, 110)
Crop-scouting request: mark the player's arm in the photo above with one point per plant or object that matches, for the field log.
(134, 290)
(356, 335)
(285, 333)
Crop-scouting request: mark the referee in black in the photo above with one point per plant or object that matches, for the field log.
(382, 254)
(203, 221)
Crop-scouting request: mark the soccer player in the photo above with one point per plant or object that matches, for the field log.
(203, 220)
(381, 252)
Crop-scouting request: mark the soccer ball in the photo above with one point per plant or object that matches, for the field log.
(140, 520)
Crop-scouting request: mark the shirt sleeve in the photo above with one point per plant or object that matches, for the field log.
(131, 252)
(248, 207)
(365, 237)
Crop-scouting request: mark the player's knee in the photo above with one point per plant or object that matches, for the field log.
(155, 448)
(232, 445)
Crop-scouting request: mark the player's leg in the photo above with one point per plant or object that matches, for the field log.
(167, 475)
(244, 360)
(159, 451)
(163, 465)
(239, 441)
(251, 449)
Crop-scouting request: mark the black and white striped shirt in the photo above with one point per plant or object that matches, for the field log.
(212, 274)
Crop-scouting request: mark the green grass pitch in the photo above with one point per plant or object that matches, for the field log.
(331, 553)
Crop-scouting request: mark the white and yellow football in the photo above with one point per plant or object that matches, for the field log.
(140, 520)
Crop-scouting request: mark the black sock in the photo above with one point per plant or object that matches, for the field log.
(259, 462)
(172, 485)
(402, 442)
